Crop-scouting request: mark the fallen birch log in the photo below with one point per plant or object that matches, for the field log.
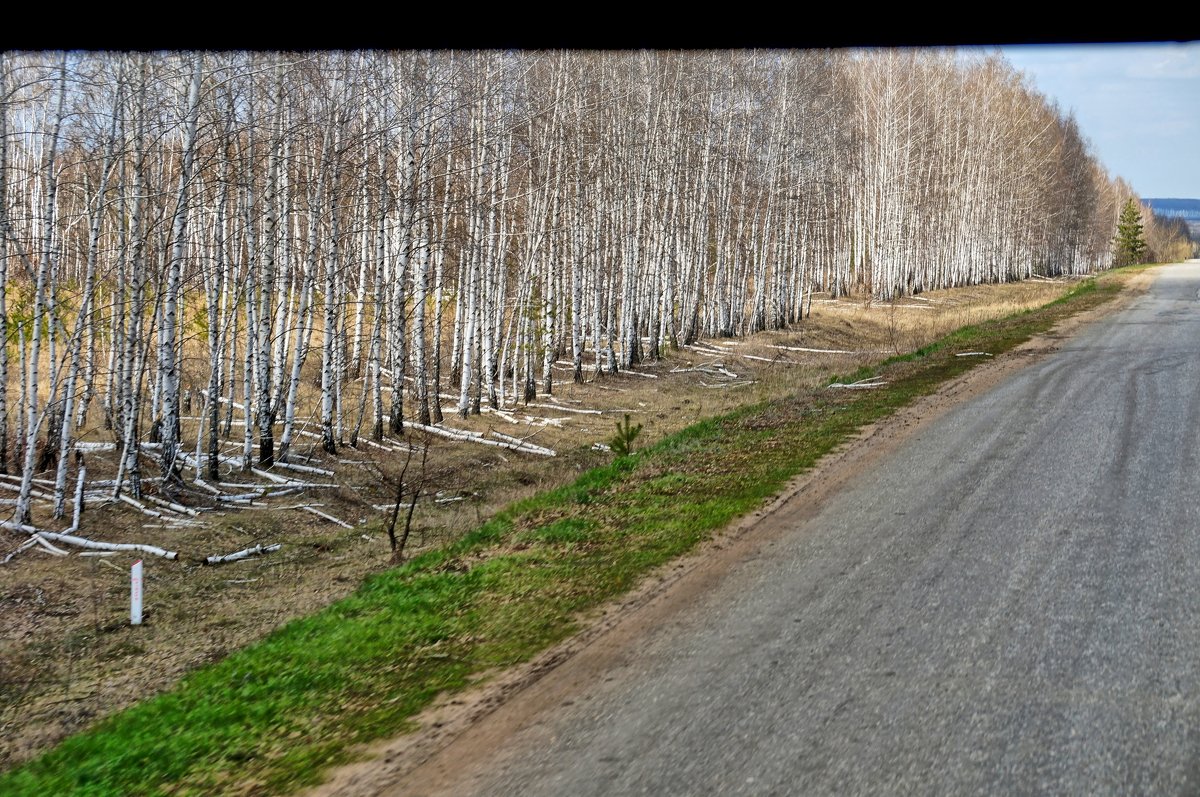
(772, 360)
(723, 385)
(191, 462)
(328, 517)
(110, 483)
(182, 522)
(245, 553)
(402, 445)
(703, 348)
(373, 444)
(174, 507)
(243, 498)
(46, 546)
(277, 479)
(475, 437)
(87, 446)
(96, 545)
(102, 446)
(99, 548)
(862, 384)
(34, 493)
(203, 485)
(276, 492)
(715, 369)
(533, 448)
(531, 420)
(17, 480)
(303, 468)
(224, 400)
(137, 504)
(577, 410)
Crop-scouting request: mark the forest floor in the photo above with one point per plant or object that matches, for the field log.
(69, 657)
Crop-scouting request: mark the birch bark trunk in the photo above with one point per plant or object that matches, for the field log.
(168, 359)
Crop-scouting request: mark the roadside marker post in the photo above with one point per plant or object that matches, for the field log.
(135, 593)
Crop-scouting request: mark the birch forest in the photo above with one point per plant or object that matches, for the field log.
(192, 243)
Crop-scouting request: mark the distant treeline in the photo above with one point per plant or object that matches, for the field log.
(1186, 208)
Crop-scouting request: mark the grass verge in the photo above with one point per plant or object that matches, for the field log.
(275, 716)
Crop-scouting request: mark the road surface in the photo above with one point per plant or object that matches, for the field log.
(1007, 603)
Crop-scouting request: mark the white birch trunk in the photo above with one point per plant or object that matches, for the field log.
(168, 357)
(34, 415)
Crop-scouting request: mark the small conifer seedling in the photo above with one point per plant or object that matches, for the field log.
(622, 442)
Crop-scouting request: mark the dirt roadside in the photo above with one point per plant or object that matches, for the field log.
(456, 735)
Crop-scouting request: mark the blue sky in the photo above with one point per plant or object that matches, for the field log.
(1138, 104)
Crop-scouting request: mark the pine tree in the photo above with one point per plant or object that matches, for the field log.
(1130, 242)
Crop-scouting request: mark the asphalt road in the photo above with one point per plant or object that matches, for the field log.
(1009, 603)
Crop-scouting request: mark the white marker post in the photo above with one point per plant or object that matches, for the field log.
(135, 593)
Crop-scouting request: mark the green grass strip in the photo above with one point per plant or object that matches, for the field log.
(275, 716)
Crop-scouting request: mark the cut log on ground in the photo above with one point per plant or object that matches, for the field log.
(476, 437)
(328, 517)
(97, 545)
(245, 553)
(862, 384)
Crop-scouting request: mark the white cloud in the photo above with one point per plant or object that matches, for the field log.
(1167, 62)
(1138, 103)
